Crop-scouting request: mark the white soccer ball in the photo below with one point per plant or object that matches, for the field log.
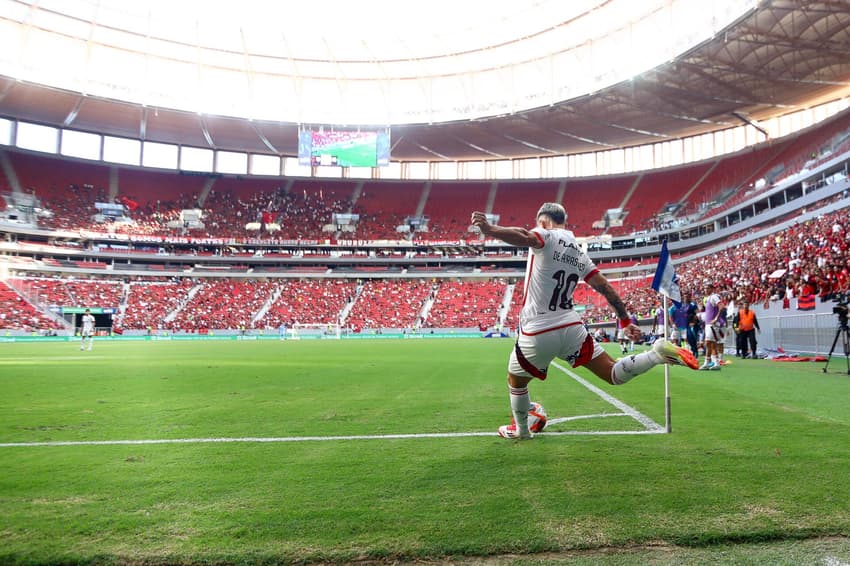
(536, 418)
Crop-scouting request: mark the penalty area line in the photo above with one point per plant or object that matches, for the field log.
(282, 439)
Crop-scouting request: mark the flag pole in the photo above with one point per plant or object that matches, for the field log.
(665, 283)
(668, 425)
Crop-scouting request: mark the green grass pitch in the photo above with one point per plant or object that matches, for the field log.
(352, 155)
(332, 451)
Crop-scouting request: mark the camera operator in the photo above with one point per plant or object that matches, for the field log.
(746, 324)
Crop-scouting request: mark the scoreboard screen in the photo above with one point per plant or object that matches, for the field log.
(343, 148)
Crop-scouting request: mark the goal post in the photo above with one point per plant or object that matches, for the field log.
(309, 330)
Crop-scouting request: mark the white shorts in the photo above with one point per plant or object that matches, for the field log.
(713, 333)
(533, 353)
(678, 334)
(621, 334)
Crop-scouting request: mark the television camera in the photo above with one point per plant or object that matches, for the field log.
(841, 309)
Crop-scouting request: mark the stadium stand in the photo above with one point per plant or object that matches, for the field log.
(811, 256)
(446, 200)
(150, 302)
(467, 304)
(69, 191)
(657, 190)
(16, 313)
(222, 303)
(392, 303)
(588, 199)
(309, 301)
(383, 206)
(812, 253)
(517, 202)
(303, 207)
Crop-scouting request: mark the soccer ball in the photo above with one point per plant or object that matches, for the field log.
(536, 418)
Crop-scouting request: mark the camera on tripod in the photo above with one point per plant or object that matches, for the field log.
(843, 331)
(841, 309)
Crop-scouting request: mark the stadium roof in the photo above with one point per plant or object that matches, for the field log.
(466, 76)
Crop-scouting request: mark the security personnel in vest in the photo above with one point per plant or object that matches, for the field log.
(746, 325)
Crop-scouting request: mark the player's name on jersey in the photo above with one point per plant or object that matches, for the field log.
(565, 257)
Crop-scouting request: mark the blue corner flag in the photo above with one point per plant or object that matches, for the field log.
(665, 280)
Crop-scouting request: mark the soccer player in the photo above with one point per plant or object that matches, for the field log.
(549, 327)
(622, 338)
(714, 309)
(679, 316)
(634, 320)
(87, 330)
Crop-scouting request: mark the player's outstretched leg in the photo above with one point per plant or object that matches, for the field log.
(628, 367)
(674, 354)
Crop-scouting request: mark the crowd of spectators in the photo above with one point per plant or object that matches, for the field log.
(388, 303)
(309, 301)
(302, 208)
(467, 304)
(16, 313)
(150, 302)
(222, 303)
(809, 259)
(70, 207)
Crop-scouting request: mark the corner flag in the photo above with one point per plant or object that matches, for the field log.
(666, 282)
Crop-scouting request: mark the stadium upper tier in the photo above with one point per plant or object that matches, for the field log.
(152, 202)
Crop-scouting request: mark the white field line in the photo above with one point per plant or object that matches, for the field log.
(651, 427)
(647, 422)
(559, 420)
(281, 439)
(51, 360)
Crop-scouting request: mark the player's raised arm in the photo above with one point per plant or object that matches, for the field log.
(514, 236)
(601, 285)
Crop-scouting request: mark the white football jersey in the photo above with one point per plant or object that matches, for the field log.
(551, 276)
(88, 323)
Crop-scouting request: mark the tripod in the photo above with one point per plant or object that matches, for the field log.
(844, 333)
